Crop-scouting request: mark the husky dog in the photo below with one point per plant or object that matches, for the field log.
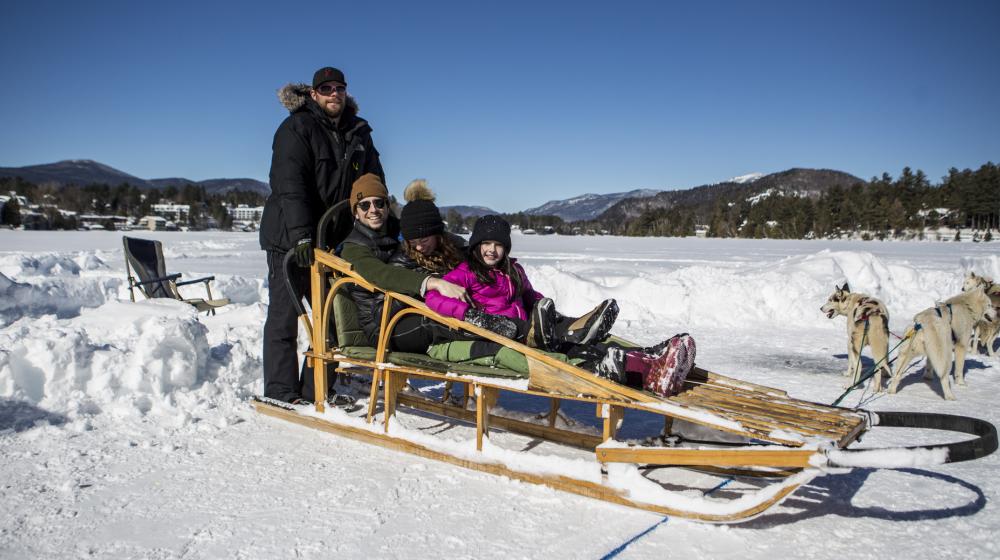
(863, 313)
(985, 332)
(940, 331)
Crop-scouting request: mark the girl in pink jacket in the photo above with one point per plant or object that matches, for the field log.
(502, 300)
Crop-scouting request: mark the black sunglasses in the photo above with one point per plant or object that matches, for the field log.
(329, 89)
(379, 203)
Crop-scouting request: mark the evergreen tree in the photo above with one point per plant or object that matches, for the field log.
(454, 220)
(11, 213)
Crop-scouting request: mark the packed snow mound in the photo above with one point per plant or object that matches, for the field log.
(127, 359)
(50, 264)
(239, 289)
(988, 266)
(63, 297)
(32, 285)
(788, 294)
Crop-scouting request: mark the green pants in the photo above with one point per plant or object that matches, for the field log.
(461, 351)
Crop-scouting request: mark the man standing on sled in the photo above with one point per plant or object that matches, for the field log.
(319, 150)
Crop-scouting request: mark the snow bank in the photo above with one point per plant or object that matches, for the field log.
(129, 360)
(787, 293)
(988, 265)
(49, 283)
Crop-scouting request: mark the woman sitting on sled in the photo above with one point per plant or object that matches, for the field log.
(502, 299)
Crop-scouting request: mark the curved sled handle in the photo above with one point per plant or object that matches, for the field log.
(330, 220)
(977, 448)
(288, 263)
(296, 297)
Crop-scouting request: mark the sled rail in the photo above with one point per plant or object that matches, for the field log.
(711, 511)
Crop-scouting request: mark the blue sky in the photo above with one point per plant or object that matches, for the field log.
(511, 104)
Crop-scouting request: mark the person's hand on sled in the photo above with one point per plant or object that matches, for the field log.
(448, 289)
(303, 252)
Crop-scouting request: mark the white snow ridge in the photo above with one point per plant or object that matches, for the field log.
(126, 432)
(748, 178)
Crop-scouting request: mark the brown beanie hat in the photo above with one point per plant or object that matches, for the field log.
(367, 185)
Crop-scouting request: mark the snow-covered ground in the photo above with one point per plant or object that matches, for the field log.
(126, 433)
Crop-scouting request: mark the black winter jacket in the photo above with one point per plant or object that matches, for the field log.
(381, 245)
(314, 163)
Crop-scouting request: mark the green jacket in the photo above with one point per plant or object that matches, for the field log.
(368, 251)
(383, 275)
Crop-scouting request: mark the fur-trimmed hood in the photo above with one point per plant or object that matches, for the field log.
(293, 96)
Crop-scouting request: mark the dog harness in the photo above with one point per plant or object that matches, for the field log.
(867, 307)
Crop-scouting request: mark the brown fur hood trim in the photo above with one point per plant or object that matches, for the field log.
(418, 190)
(294, 96)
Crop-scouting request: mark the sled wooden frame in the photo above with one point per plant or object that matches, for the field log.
(768, 416)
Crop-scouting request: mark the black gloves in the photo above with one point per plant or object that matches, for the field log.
(494, 323)
(303, 251)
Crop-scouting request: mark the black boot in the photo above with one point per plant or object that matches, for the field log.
(591, 327)
(542, 328)
(610, 366)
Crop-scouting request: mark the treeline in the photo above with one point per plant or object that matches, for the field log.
(127, 200)
(881, 208)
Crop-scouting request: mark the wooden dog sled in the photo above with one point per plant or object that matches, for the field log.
(775, 441)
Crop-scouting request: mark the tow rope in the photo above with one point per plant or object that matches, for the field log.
(875, 366)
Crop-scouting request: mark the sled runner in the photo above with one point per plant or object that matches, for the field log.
(772, 442)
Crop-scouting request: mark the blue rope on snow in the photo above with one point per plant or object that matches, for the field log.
(624, 545)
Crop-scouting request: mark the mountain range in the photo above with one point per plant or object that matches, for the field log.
(466, 211)
(616, 207)
(794, 182)
(86, 172)
(587, 206)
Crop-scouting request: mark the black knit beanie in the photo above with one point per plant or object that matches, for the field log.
(420, 218)
(491, 228)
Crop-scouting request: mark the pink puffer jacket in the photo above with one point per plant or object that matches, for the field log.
(496, 298)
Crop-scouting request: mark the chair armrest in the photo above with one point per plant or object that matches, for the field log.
(186, 282)
(152, 280)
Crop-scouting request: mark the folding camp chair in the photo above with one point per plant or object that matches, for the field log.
(145, 258)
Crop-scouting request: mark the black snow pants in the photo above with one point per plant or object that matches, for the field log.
(281, 328)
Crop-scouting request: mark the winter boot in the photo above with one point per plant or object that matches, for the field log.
(669, 370)
(658, 349)
(591, 327)
(542, 328)
(493, 323)
(611, 366)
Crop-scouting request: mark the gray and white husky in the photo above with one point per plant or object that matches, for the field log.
(985, 332)
(859, 309)
(942, 331)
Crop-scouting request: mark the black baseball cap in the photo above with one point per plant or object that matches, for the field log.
(328, 74)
